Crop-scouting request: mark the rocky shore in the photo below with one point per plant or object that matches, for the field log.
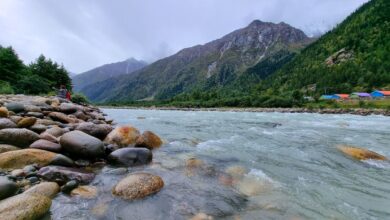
(357, 111)
(49, 145)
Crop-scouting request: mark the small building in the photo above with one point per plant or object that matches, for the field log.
(360, 95)
(329, 97)
(342, 96)
(380, 94)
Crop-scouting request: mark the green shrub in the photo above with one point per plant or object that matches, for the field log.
(79, 98)
(5, 88)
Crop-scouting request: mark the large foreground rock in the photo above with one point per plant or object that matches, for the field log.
(20, 158)
(6, 123)
(18, 137)
(81, 144)
(131, 156)
(24, 207)
(360, 153)
(15, 107)
(123, 136)
(48, 189)
(138, 185)
(7, 187)
(148, 140)
(62, 175)
(97, 130)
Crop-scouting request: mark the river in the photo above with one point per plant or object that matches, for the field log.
(288, 167)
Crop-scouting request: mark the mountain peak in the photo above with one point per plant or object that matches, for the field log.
(256, 23)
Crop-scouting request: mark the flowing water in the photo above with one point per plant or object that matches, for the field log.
(238, 165)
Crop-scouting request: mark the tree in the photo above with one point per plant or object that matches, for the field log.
(11, 67)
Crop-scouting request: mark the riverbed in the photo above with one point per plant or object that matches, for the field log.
(289, 167)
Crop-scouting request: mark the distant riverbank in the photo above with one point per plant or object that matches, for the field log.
(357, 111)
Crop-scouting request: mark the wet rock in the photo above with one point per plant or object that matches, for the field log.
(69, 186)
(48, 189)
(4, 112)
(6, 123)
(55, 131)
(109, 148)
(62, 175)
(61, 117)
(29, 169)
(194, 163)
(86, 192)
(81, 115)
(360, 153)
(7, 187)
(6, 148)
(138, 185)
(33, 179)
(148, 140)
(123, 136)
(15, 107)
(252, 186)
(97, 130)
(69, 108)
(81, 144)
(130, 156)
(15, 118)
(38, 128)
(117, 171)
(100, 209)
(35, 114)
(26, 122)
(20, 158)
(18, 137)
(18, 173)
(24, 206)
(236, 171)
(47, 136)
(46, 145)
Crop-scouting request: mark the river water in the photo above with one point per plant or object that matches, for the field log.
(239, 165)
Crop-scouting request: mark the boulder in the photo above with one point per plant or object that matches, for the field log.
(148, 140)
(81, 115)
(24, 206)
(138, 185)
(6, 148)
(26, 122)
(46, 145)
(86, 192)
(69, 108)
(15, 107)
(48, 189)
(97, 130)
(360, 153)
(18, 137)
(4, 112)
(123, 136)
(61, 117)
(55, 131)
(81, 144)
(63, 175)
(7, 188)
(6, 123)
(49, 137)
(69, 186)
(38, 128)
(20, 158)
(131, 156)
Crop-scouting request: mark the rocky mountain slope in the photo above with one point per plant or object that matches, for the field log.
(104, 72)
(213, 65)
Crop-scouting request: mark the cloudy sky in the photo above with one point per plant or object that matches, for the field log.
(83, 34)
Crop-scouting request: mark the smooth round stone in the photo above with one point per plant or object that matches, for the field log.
(7, 147)
(7, 187)
(148, 140)
(19, 137)
(86, 192)
(122, 136)
(38, 128)
(46, 145)
(49, 137)
(138, 185)
(61, 117)
(69, 108)
(117, 171)
(69, 186)
(48, 189)
(26, 122)
(18, 173)
(24, 206)
(63, 175)
(33, 179)
(97, 130)
(35, 114)
(82, 145)
(131, 156)
(7, 123)
(4, 112)
(29, 169)
(15, 107)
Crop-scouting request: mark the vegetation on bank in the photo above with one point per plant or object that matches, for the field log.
(39, 77)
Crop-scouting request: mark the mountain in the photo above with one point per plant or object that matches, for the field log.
(354, 56)
(82, 80)
(213, 65)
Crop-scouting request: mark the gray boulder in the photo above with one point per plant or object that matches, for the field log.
(18, 137)
(63, 175)
(6, 123)
(131, 156)
(82, 145)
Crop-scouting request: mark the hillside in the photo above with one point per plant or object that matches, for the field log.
(213, 65)
(98, 74)
(355, 56)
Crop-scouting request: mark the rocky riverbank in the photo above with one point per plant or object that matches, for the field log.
(49, 145)
(357, 111)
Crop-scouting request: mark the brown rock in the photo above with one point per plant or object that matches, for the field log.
(48, 189)
(19, 137)
(47, 136)
(24, 207)
(55, 131)
(7, 147)
(86, 192)
(138, 185)
(61, 117)
(148, 140)
(360, 153)
(123, 136)
(46, 145)
(4, 112)
(6, 123)
(26, 122)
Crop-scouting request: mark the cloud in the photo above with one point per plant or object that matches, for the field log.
(88, 33)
